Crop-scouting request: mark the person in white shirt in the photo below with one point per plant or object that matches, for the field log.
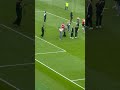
(45, 16)
(60, 30)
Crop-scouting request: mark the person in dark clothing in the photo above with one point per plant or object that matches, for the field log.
(68, 26)
(99, 12)
(18, 12)
(78, 20)
(72, 33)
(89, 15)
(117, 6)
(71, 17)
(43, 30)
(64, 33)
(76, 31)
(77, 25)
(45, 16)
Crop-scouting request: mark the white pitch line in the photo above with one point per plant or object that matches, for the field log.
(58, 17)
(9, 84)
(16, 31)
(60, 74)
(50, 43)
(79, 79)
(50, 52)
(54, 15)
(29, 37)
(16, 65)
(106, 8)
(39, 61)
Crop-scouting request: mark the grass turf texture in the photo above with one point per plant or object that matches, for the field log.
(16, 49)
(15, 74)
(102, 51)
(71, 64)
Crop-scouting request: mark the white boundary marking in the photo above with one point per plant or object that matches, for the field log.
(50, 52)
(53, 15)
(38, 60)
(59, 74)
(29, 37)
(16, 31)
(79, 79)
(16, 65)
(106, 8)
(56, 52)
(50, 43)
(61, 18)
(9, 84)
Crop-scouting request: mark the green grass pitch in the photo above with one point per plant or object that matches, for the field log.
(60, 64)
(16, 50)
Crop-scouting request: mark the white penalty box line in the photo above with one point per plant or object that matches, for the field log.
(16, 32)
(15, 64)
(24, 64)
(60, 74)
(54, 15)
(81, 79)
(50, 43)
(30, 37)
(9, 84)
(50, 53)
(38, 60)
(57, 16)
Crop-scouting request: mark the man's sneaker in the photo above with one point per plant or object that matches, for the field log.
(100, 26)
(118, 14)
(86, 27)
(91, 28)
(96, 26)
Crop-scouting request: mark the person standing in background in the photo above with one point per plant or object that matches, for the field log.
(42, 30)
(45, 16)
(63, 27)
(68, 26)
(76, 31)
(117, 6)
(18, 12)
(66, 5)
(99, 12)
(89, 15)
(72, 33)
(60, 30)
(71, 17)
(83, 25)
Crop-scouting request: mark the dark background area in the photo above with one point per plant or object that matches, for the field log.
(103, 51)
(15, 48)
